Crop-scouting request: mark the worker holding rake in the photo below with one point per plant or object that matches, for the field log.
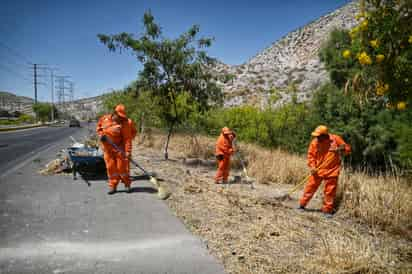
(324, 161)
(117, 129)
(224, 150)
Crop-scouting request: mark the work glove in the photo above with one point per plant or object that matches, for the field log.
(220, 157)
(103, 138)
(127, 155)
(313, 171)
(340, 148)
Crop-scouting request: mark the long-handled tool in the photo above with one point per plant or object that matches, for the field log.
(248, 180)
(296, 187)
(161, 191)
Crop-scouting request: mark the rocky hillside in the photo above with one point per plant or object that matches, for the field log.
(83, 109)
(290, 64)
(12, 102)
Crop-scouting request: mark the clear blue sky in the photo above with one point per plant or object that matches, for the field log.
(62, 33)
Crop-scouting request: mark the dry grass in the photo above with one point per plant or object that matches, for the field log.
(274, 166)
(378, 201)
(250, 232)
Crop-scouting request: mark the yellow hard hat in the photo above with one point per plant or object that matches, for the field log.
(320, 130)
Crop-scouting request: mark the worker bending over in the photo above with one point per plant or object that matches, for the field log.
(324, 161)
(224, 149)
(117, 129)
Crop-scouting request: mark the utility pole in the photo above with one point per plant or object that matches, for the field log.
(52, 91)
(52, 94)
(35, 83)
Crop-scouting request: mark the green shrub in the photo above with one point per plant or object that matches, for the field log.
(25, 118)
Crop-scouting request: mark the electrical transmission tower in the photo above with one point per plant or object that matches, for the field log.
(71, 93)
(63, 92)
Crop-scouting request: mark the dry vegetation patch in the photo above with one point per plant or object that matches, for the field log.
(251, 232)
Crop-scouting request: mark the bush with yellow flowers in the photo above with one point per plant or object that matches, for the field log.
(370, 67)
(384, 35)
(377, 50)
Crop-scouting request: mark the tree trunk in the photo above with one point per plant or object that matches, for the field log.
(167, 141)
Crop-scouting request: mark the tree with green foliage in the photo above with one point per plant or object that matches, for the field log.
(42, 111)
(141, 106)
(171, 67)
(25, 118)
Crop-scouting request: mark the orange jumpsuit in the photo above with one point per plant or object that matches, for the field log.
(321, 154)
(224, 148)
(116, 163)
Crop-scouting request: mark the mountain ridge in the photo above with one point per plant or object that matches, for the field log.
(291, 60)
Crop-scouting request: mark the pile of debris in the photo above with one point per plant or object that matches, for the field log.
(56, 166)
(65, 162)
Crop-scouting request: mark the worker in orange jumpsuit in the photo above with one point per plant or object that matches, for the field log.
(224, 149)
(120, 130)
(324, 161)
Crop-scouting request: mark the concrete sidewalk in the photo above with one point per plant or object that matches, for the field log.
(53, 224)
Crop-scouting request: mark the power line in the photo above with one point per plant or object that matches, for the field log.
(15, 53)
(5, 68)
(12, 62)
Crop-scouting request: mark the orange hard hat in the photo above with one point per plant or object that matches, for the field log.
(121, 110)
(226, 131)
(320, 130)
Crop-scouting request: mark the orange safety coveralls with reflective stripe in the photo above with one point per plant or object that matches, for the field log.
(224, 150)
(322, 154)
(116, 164)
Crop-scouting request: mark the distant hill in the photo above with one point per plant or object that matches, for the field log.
(12, 102)
(81, 109)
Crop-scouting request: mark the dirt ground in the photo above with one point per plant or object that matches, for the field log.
(251, 231)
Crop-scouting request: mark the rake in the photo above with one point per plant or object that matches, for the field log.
(296, 187)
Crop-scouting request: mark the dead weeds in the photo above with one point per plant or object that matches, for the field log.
(251, 232)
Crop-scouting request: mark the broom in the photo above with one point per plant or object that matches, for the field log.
(248, 180)
(296, 187)
(162, 193)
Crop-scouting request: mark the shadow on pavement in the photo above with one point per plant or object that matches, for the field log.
(88, 178)
(141, 189)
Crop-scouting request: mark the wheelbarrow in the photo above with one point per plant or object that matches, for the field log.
(86, 161)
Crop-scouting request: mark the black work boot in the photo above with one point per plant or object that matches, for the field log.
(112, 191)
(128, 189)
(301, 208)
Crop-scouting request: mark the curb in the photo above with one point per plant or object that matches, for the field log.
(18, 128)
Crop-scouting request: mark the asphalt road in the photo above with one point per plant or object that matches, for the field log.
(15, 146)
(53, 224)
